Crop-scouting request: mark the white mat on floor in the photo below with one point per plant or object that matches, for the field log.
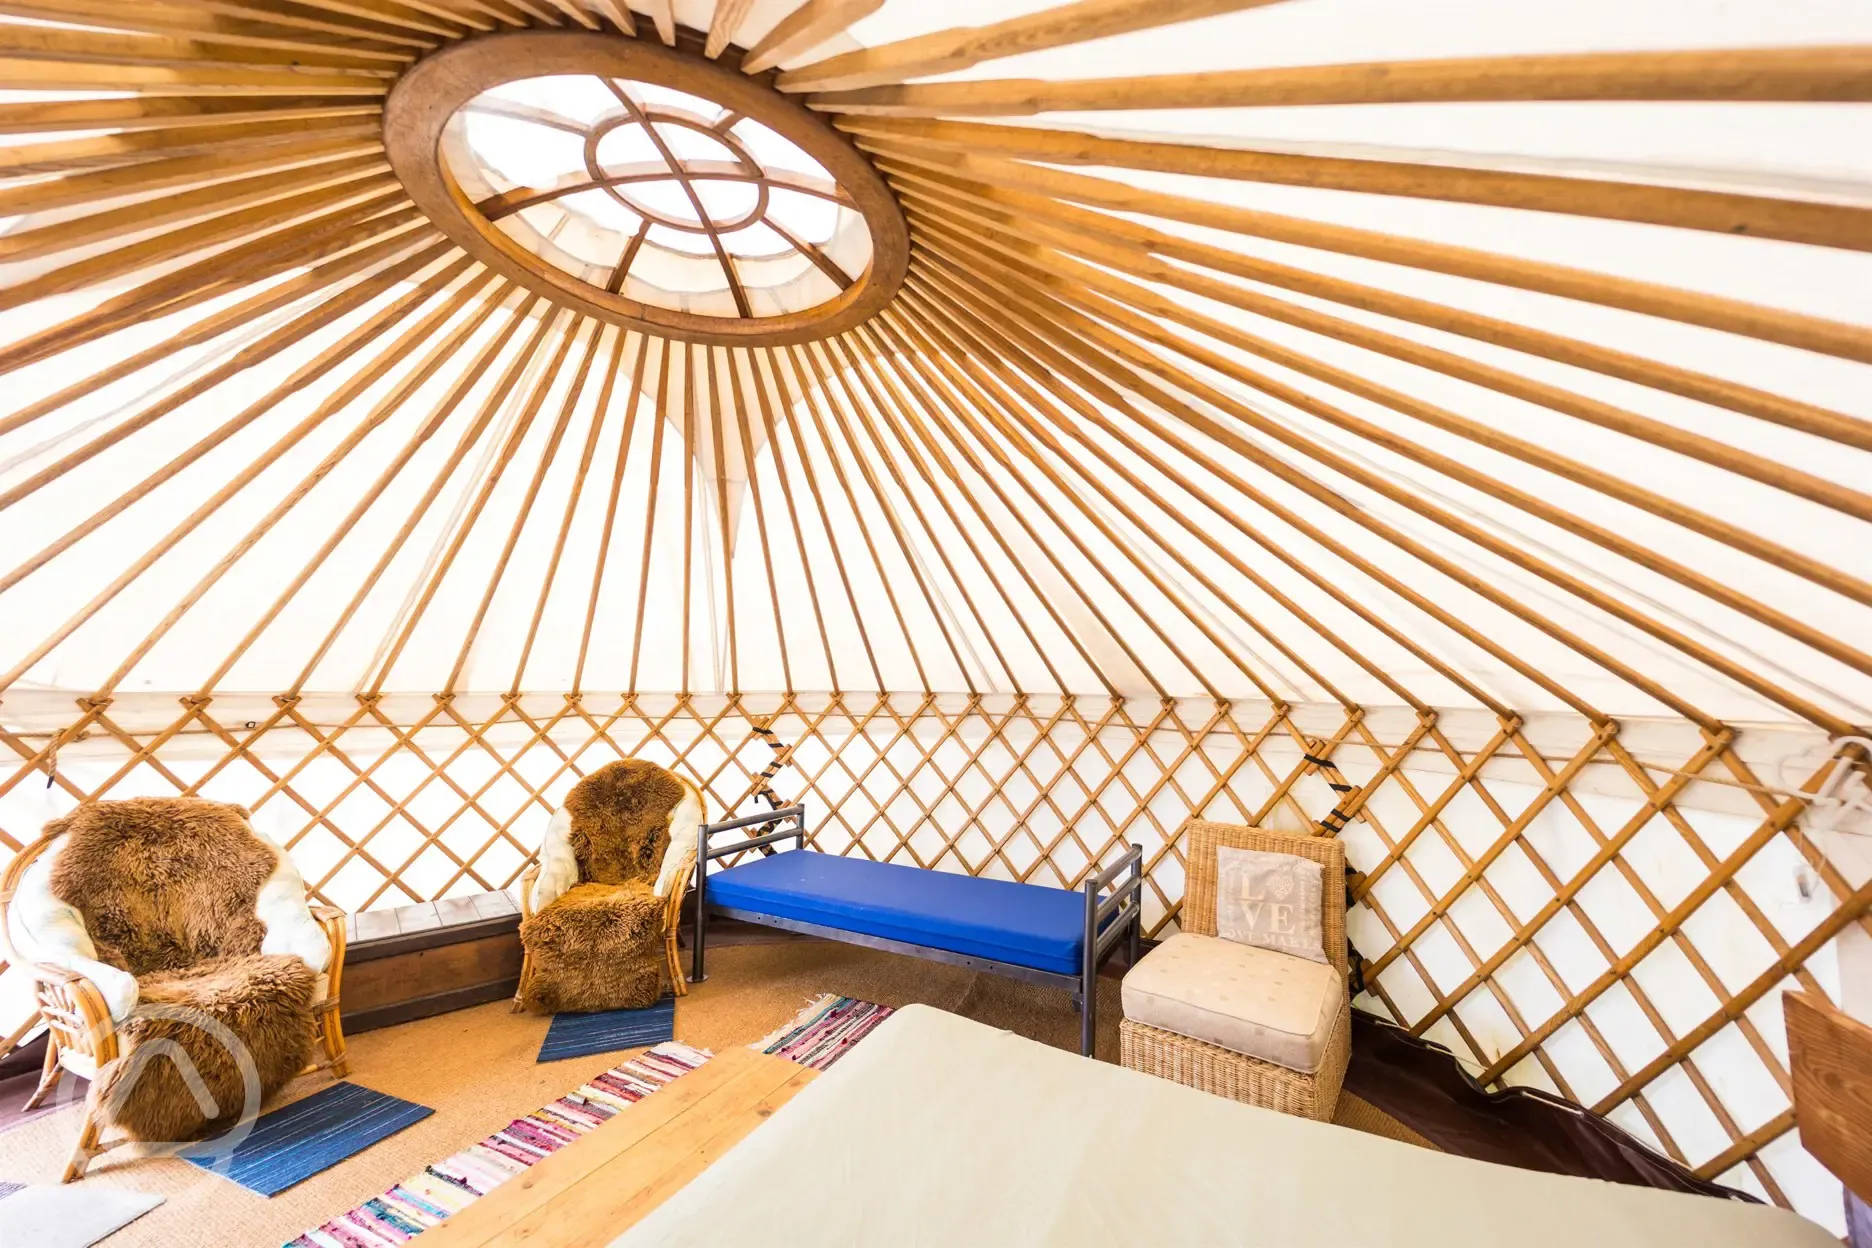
(72, 1216)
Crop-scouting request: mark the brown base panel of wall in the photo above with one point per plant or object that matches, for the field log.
(1422, 1085)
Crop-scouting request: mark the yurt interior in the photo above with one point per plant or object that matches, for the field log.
(764, 623)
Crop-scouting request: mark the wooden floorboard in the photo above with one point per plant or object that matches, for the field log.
(599, 1186)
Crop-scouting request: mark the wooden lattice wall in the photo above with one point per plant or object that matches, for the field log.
(1517, 901)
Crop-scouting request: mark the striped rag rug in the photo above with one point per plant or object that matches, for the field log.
(825, 1030)
(425, 1200)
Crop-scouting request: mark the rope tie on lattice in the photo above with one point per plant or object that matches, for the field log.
(763, 783)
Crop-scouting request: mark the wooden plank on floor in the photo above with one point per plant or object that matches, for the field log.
(589, 1192)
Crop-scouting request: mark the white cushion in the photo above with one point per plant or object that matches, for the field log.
(1268, 1005)
(281, 906)
(684, 822)
(558, 867)
(44, 929)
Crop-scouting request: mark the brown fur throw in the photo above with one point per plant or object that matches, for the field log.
(620, 821)
(599, 947)
(167, 888)
(163, 882)
(264, 1000)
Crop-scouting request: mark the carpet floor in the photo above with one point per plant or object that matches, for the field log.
(477, 1069)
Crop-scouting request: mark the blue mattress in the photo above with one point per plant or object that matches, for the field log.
(1024, 924)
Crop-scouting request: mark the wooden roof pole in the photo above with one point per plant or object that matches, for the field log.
(601, 560)
(1094, 234)
(222, 273)
(1690, 307)
(862, 344)
(1792, 220)
(432, 582)
(659, 413)
(1572, 584)
(771, 436)
(442, 353)
(932, 598)
(353, 387)
(1839, 74)
(876, 445)
(946, 50)
(1064, 273)
(457, 392)
(90, 187)
(78, 233)
(373, 193)
(914, 319)
(810, 402)
(328, 312)
(789, 415)
(353, 341)
(1038, 403)
(1098, 359)
(577, 491)
(804, 29)
(911, 366)
(689, 467)
(721, 514)
(998, 403)
(271, 299)
(738, 398)
(127, 114)
(247, 142)
(1095, 384)
(218, 23)
(971, 396)
(548, 454)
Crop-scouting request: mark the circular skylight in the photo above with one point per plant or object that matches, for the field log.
(662, 197)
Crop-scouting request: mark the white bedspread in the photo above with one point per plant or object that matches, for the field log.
(940, 1131)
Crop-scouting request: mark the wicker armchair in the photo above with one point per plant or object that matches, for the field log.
(668, 879)
(85, 1034)
(1225, 1072)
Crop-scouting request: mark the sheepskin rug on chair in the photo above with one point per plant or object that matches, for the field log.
(168, 889)
(599, 944)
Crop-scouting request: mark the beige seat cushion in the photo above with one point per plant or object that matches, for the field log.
(1265, 1004)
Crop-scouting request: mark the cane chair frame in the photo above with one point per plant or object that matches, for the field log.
(82, 1037)
(1224, 1072)
(672, 912)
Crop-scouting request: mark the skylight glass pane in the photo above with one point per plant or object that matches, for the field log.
(805, 216)
(687, 145)
(598, 207)
(663, 199)
(626, 146)
(521, 152)
(578, 99)
(726, 202)
(663, 97)
(680, 240)
(754, 240)
(774, 152)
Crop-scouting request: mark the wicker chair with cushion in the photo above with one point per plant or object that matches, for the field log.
(599, 910)
(172, 952)
(1252, 1024)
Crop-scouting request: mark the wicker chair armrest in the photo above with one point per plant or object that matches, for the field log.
(74, 1008)
(45, 973)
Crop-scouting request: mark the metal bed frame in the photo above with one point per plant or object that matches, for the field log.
(1107, 919)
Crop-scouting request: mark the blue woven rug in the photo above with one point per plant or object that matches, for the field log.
(580, 1035)
(293, 1143)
